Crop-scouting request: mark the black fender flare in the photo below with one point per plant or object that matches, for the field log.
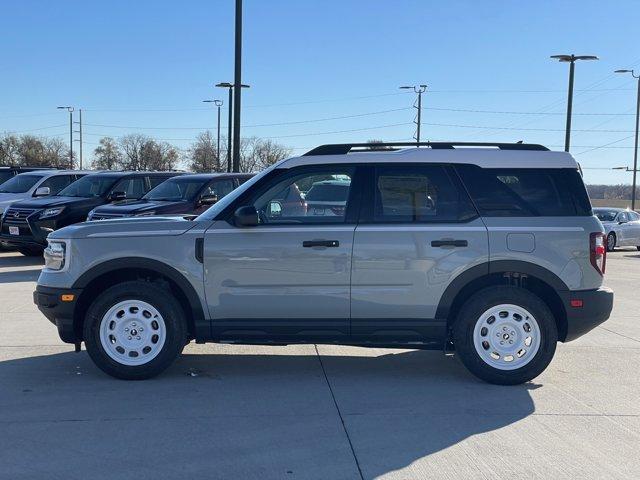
(493, 267)
(196, 316)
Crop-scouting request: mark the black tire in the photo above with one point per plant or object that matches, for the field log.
(160, 299)
(638, 247)
(31, 251)
(471, 312)
(611, 242)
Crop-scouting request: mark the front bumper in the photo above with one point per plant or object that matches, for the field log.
(32, 232)
(60, 313)
(595, 308)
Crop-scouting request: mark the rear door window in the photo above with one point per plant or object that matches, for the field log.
(57, 183)
(134, 187)
(525, 192)
(418, 193)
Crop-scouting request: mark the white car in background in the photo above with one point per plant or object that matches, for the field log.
(622, 227)
(38, 183)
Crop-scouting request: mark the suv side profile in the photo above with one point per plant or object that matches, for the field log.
(26, 224)
(490, 250)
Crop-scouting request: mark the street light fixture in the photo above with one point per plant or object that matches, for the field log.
(419, 90)
(70, 110)
(571, 59)
(230, 126)
(635, 148)
(217, 103)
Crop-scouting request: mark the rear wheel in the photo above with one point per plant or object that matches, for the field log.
(135, 330)
(31, 251)
(611, 242)
(505, 335)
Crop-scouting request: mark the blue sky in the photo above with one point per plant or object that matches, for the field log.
(145, 66)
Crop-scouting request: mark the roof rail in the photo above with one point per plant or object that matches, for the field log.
(344, 148)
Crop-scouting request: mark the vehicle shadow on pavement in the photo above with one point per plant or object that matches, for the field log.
(16, 276)
(18, 260)
(249, 415)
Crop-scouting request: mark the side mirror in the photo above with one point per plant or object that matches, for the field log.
(117, 196)
(42, 192)
(208, 199)
(246, 216)
(275, 209)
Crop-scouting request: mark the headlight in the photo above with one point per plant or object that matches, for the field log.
(55, 255)
(145, 214)
(51, 212)
(90, 215)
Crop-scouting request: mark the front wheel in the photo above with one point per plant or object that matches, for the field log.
(505, 335)
(134, 330)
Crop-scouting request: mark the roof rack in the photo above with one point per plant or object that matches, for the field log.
(344, 148)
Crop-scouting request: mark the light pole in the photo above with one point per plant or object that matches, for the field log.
(419, 90)
(571, 59)
(237, 83)
(635, 148)
(229, 128)
(70, 110)
(217, 103)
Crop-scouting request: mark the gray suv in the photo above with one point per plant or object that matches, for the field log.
(488, 250)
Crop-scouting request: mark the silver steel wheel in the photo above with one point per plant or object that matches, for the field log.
(132, 332)
(506, 337)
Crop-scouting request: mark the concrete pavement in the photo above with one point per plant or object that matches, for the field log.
(307, 412)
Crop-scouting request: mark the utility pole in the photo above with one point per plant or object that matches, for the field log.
(571, 59)
(419, 90)
(79, 131)
(635, 148)
(237, 83)
(230, 127)
(70, 110)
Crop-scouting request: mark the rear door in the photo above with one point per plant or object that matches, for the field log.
(418, 231)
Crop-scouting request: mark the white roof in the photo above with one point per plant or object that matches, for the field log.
(484, 157)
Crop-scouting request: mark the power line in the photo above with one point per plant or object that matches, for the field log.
(34, 129)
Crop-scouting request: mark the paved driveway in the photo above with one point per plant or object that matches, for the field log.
(307, 412)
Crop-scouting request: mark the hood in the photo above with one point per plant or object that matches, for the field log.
(125, 227)
(131, 207)
(56, 201)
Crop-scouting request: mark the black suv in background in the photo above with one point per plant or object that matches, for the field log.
(26, 224)
(188, 194)
(7, 173)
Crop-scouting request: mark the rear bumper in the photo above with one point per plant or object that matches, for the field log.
(61, 314)
(596, 308)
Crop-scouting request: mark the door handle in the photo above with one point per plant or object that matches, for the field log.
(320, 243)
(449, 243)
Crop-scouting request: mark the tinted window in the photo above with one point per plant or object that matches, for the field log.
(155, 181)
(633, 216)
(19, 183)
(605, 215)
(133, 187)
(57, 183)
(4, 176)
(523, 192)
(418, 193)
(89, 186)
(622, 217)
(285, 200)
(176, 189)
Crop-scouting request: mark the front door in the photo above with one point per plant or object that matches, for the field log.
(419, 233)
(289, 276)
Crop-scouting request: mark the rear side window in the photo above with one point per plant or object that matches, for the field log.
(155, 181)
(133, 187)
(526, 192)
(57, 183)
(418, 193)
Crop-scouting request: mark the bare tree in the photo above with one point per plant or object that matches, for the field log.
(132, 147)
(9, 150)
(107, 155)
(56, 153)
(203, 154)
(257, 154)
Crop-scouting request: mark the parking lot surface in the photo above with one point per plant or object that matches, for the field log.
(316, 412)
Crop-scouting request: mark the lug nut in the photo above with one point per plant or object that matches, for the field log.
(138, 338)
(129, 338)
(126, 329)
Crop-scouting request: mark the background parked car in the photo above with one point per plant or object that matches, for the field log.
(188, 194)
(37, 183)
(622, 227)
(8, 172)
(26, 224)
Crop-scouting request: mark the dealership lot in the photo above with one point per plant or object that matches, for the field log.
(316, 412)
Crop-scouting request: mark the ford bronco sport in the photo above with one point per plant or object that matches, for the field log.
(488, 250)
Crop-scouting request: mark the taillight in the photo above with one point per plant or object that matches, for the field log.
(598, 252)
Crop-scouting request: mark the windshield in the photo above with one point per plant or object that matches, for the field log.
(89, 186)
(605, 215)
(213, 211)
(20, 183)
(176, 189)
